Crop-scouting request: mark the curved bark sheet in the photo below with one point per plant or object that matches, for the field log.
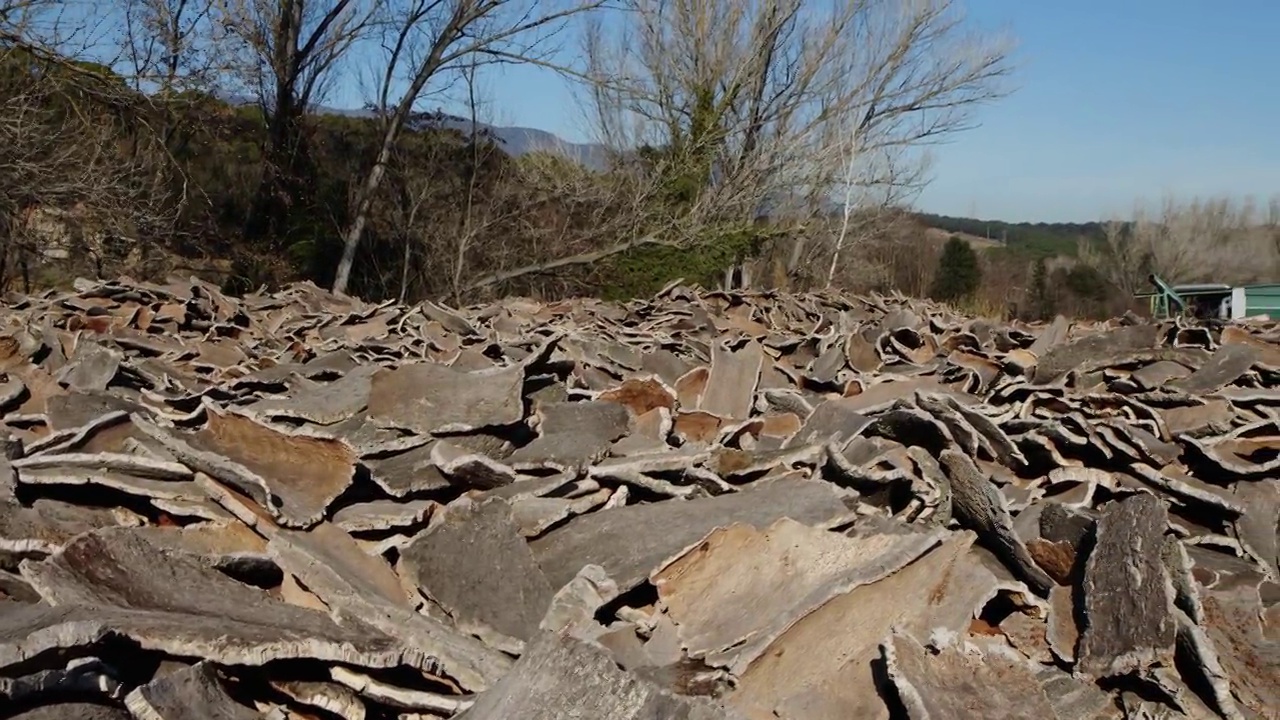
(74, 410)
(738, 589)
(77, 710)
(981, 507)
(815, 673)
(1249, 658)
(731, 384)
(560, 677)
(408, 472)
(321, 403)
(117, 583)
(329, 697)
(48, 525)
(1128, 595)
(354, 584)
(429, 398)
(1094, 351)
(1226, 366)
(630, 542)
(82, 677)
(497, 586)
(384, 515)
(959, 682)
(294, 476)
(192, 693)
(573, 434)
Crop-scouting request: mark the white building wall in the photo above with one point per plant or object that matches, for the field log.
(1237, 303)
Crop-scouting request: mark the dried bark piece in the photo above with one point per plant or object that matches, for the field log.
(75, 410)
(1128, 596)
(193, 693)
(48, 525)
(369, 440)
(1248, 658)
(1094, 351)
(294, 476)
(103, 587)
(384, 515)
(560, 677)
(499, 590)
(536, 515)
(1188, 489)
(137, 465)
(629, 542)
(1061, 631)
(93, 369)
(1029, 635)
(470, 470)
(1159, 373)
(1227, 364)
(78, 710)
(435, 705)
(814, 673)
(572, 434)
(82, 677)
(1258, 528)
(329, 697)
(649, 434)
(1210, 417)
(957, 682)
(355, 585)
(979, 505)
(427, 398)
(739, 588)
(641, 395)
(321, 403)
(835, 421)
(13, 587)
(1053, 335)
(408, 472)
(574, 606)
(731, 385)
(1075, 700)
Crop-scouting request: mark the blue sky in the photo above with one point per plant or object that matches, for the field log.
(1115, 101)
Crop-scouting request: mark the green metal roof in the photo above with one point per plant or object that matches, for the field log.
(1208, 289)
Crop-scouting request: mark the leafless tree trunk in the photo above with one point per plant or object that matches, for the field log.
(287, 51)
(769, 91)
(435, 37)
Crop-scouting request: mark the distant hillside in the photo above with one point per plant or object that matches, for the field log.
(978, 242)
(515, 141)
(1040, 239)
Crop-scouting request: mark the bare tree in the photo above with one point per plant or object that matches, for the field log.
(1272, 225)
(773, 104)
(70, 188)
(171, 45)
(286, 53)
(1213, 240)
(431, 39)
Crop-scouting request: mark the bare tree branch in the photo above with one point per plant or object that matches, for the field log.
(432, 38)
(778, 95)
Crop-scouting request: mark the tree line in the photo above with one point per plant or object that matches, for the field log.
(730, 126)
(771, 143)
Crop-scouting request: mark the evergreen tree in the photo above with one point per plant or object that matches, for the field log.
(958, 274)
(1041, 302)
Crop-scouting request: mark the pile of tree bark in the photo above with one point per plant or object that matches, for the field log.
(704, 505)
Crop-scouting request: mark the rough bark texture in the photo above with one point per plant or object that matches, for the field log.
(701, 505)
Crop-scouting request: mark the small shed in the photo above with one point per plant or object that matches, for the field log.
(1256, 301)
(1214, 300)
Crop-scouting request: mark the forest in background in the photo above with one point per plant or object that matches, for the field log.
(764, 144)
